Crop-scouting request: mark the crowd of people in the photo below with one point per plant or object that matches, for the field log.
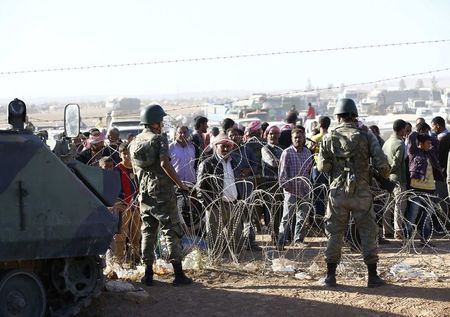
(321, 179)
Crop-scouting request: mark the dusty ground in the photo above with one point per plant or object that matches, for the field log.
(236, 291)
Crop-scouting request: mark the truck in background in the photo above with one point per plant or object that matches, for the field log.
(120, 105)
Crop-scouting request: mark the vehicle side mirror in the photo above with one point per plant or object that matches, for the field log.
(72, 120)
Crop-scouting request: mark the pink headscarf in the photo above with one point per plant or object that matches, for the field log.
(222, 138)
(94, 139)
(253, 127)
(270, 128)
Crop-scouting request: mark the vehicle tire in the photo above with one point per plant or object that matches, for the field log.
(22, 294)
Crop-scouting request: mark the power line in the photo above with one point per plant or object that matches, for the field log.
(308, 90)
(224, 57)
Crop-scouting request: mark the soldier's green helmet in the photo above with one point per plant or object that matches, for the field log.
(346, 105)
(152, 114)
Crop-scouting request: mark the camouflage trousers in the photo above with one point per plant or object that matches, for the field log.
(160, 213)
(129, 230)
(340, 205)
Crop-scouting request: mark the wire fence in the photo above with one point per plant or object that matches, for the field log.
(226, 233)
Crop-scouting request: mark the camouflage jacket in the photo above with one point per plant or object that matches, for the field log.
(146, 151)
(345, 154)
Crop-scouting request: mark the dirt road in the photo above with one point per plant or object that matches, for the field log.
(246, 295)
(233, 291)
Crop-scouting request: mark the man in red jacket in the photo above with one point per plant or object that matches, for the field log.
(311, 114)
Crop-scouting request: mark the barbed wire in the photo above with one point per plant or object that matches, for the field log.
(228, 241)
(223, 57)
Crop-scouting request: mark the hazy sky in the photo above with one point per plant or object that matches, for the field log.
(46, 34)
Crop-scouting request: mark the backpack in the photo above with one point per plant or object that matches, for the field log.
(143, 153)
(344, 148)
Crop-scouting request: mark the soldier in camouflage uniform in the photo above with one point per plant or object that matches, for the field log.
(345, 154)
(156, 177)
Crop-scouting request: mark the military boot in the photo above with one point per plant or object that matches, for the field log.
(180, 277)
(330, 280)
(374, 280)
(148, 277)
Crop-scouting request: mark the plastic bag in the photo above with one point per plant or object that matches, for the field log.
(405, 271)
(162, 267)
(302, 276)
(283, 265)
(193, 261)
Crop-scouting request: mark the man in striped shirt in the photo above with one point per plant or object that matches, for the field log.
(293, 175)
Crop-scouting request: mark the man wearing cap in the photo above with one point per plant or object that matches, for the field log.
(219, 194)
(156, 176)
(344, 155)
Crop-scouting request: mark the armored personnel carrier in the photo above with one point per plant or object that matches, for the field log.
(55, 224)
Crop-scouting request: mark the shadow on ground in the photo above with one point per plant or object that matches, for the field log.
(199, 300)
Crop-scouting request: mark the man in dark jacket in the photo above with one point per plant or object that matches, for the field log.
(248, 165)
(443, 136)
(219, 193)
(201, 126)
(285, 136)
